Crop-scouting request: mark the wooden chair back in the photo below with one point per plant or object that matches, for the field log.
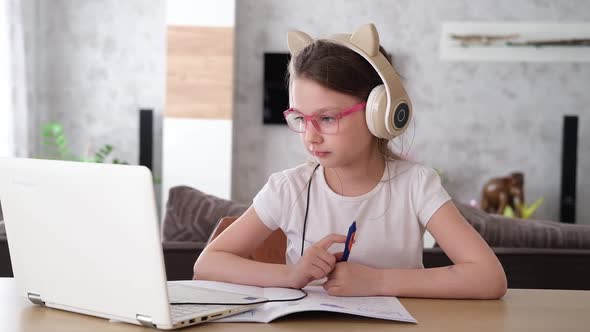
(272, 250)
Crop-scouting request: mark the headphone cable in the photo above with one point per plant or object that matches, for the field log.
(303, 295)
(307, 208)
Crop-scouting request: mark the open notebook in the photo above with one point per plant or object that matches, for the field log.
(382, 307)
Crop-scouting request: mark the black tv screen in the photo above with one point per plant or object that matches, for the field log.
(276, 93)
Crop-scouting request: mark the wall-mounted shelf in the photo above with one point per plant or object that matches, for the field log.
(515, 42)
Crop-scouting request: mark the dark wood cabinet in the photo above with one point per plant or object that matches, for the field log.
(525, 267)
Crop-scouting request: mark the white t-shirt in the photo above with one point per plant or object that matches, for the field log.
(390, 219)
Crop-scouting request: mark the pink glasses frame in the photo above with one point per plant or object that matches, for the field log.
(312, 118)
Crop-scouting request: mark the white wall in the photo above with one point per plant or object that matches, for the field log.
(197, 152)
(219, 13)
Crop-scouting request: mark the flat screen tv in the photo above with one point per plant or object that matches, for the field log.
(276, 93)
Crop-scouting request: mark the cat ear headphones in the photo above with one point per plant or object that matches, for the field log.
(389, 110)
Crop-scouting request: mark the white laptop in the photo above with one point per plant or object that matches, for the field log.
(84, 237)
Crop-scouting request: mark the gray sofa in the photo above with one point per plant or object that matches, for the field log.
(534, 253)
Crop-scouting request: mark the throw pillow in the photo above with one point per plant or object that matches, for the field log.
(191, 215)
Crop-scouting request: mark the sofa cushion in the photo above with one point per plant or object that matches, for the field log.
(191, 215)
(499, 231)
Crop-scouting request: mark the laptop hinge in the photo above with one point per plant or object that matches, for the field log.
(144, 320)
(35, 298)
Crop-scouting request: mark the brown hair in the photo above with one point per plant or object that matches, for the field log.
(341, 69)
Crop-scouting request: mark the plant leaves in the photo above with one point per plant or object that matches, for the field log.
(508, 212)
(528, 211)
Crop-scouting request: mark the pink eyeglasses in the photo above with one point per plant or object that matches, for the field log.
(325, 123)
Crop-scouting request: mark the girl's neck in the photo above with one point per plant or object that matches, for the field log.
(357, 178)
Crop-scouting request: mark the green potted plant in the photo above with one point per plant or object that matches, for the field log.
(56, 147)
(55, 143)
(526, 210)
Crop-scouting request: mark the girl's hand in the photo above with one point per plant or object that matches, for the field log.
(316, 262)
(351, 279)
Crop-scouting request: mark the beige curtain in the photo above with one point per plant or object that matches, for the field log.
(6, 112)
(15, 111)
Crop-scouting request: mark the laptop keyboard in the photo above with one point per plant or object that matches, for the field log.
(182, 293)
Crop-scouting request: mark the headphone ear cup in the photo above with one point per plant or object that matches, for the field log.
(399, 118)
(375, 112)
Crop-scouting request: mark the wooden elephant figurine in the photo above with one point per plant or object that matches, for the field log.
(504, 191)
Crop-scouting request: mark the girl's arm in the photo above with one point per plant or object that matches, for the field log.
(225, 259)
(476, 273)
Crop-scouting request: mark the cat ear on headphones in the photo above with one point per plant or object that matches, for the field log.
(297, 40)
(367, 39)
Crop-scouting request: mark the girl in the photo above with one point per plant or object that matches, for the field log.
(356, 178)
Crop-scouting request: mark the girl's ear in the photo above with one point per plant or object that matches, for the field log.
(367, 39)
(297, 40)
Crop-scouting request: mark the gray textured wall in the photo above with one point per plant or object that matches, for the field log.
(93, 64)
(473, 120)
